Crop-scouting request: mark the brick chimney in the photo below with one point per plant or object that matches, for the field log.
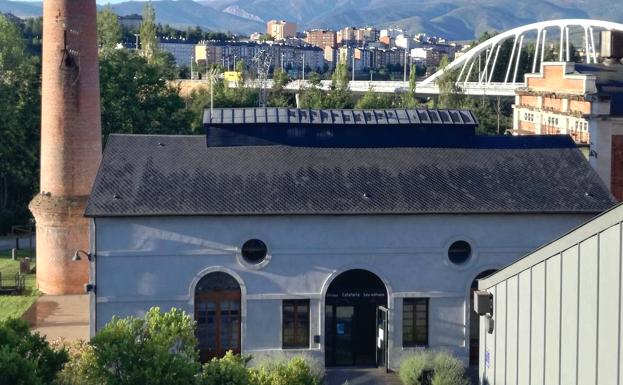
(70, 143)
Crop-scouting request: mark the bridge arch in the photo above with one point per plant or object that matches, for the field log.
(491, 49)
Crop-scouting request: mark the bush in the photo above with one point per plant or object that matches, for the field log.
(229, 370)
(447, 370)
(159, 349)
(79, 370)
(412, 368)
(25, 357)
(299, 370)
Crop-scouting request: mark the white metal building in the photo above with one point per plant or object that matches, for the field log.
(557, 312)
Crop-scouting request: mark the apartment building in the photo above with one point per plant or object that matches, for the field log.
(280, 29)
(321, 38)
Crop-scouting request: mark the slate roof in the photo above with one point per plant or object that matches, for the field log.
(144, 175)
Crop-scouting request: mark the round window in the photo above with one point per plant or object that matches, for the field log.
(459, 252)
(254, 251)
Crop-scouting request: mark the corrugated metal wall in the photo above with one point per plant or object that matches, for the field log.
(558, 320)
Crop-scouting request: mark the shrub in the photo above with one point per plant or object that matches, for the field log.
(412, 368)
(229, 370)
(299, 370)
(80, 368)
(159, 349)
(447, 370)
(25, 357)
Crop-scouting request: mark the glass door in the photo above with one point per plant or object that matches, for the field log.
(381, 338)
(343, 337)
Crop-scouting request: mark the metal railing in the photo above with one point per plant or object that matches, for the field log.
(13, 284)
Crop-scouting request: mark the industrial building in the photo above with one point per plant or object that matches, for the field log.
(353, 236)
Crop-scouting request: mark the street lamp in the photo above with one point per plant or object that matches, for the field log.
(353, 64)
(77, 257)
(192, 58)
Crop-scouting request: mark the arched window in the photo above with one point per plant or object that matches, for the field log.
(217, 312)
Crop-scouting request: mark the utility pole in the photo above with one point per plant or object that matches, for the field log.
(303, 66)
(353, 54)
(136, 35)
(191, 66)
(234, 62)
(405, 65)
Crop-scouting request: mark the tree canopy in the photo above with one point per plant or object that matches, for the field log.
(137, 99)
(109, 32)
(20, 105)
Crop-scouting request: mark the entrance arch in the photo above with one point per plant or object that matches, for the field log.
(218, 315)
(474, 320)
(351, 321)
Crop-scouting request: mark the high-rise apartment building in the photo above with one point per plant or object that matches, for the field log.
(280, 29)
(321, 38)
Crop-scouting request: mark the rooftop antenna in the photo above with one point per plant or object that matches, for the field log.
(212, 75)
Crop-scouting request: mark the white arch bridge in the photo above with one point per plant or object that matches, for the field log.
(488, 70)
(480, 64)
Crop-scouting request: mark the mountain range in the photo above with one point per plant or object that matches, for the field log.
(456, 19)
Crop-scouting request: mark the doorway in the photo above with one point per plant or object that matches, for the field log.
(217, 312)
(351, 324)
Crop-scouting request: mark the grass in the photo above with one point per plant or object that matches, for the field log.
(16, 305)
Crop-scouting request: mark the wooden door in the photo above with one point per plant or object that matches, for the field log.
(218, 316)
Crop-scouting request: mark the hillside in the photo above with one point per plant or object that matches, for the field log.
(456, 19)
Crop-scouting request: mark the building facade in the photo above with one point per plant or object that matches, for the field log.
(336, 233)
(280, 29)
(182, 52)
(556, 313)
(321, 38)
(581, 100)
(286, 56)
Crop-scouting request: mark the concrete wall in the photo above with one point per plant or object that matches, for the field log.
(557, 312)
(144, 262)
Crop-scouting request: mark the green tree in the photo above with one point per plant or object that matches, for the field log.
(159, 349)
(312, 97)
(278, 97)
(408, 99)
(25, 357)
(149, 39)
(109, 30)
(136, 97)
(20, 104)
(372, 100)
(450, 93)
(339, 95)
